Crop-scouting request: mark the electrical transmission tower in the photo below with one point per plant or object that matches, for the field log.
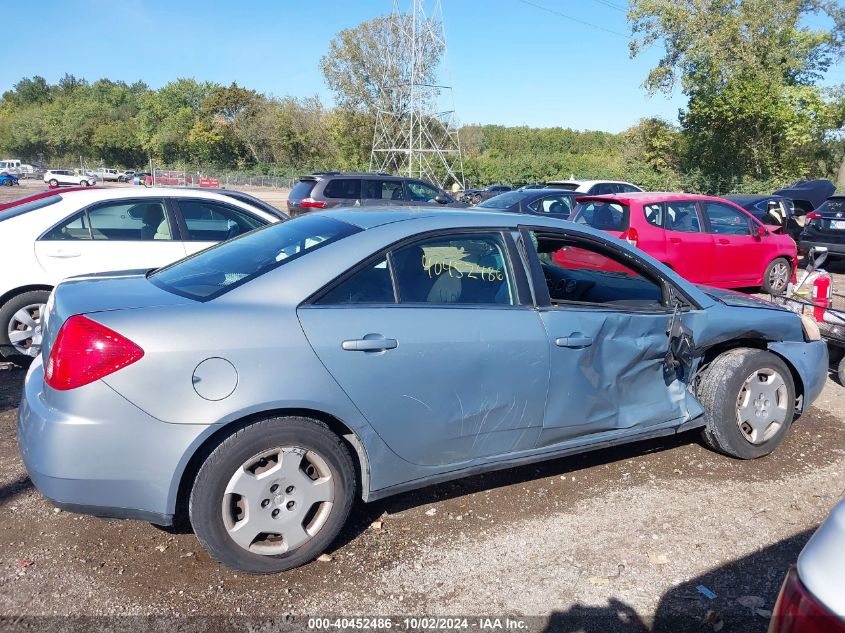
(415, 135)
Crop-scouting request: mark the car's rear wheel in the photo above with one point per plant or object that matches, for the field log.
(748, 397)
(776, 277)
(53, 182)
(273, 495)
(21, 318)
(840, 370)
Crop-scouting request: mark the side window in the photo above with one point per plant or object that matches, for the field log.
(628, 188)
(653, 214)
(383, 190)
(132, 221)
(370, 285)
(209, 221)
(421, 192)
(603, 189)
(605, 216)
(560, 204)
(580, 272)
(459, 269)
(76, 228)
(682, 216)
(726, 220)
(343, 188)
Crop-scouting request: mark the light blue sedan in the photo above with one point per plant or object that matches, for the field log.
(261, 385)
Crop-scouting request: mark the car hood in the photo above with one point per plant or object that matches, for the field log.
(738, 299)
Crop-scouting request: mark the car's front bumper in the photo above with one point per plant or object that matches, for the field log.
(92, 451)
(810, 361)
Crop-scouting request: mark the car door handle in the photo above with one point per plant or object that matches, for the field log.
(369, 344)
(722, 241)
(574, 340)
(63, 254)
(674, 240)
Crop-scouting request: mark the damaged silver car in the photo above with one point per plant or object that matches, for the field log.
(381, 351)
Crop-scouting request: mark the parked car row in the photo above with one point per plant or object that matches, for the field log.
(388, 349)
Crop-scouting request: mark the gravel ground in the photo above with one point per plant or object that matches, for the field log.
(612, 540)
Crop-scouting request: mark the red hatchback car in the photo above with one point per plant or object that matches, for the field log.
(707, 240)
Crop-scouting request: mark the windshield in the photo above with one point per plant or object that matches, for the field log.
(502, 201)
(602, 215)
(216, 270)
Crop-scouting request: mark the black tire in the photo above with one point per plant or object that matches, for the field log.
(719, 391)
(779, 284)
(206, 501)
(53, 183)
(840, 370)
(7, 312)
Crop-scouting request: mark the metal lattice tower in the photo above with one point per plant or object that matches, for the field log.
(415, 135)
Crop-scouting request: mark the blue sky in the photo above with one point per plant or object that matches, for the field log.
(510, 63)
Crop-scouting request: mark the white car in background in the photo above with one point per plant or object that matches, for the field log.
(98, 230)
(56, 177)
(594, 187)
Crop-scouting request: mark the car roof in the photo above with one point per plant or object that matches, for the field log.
(587, 182)
(371, 217)
(749, 197)
(646, 197)
(348, 174)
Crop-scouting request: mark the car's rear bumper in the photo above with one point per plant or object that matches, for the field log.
(92, 451)
(836, 248)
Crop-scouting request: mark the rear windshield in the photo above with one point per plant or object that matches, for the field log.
(832, 205)
(602, 215)
(216, 270)
(26, 207)
(502, 201)
(301, 190)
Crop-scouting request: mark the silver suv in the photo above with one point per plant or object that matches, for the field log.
(324, 190)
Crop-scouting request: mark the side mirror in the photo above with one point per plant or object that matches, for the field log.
(761, 231)
(441, 199)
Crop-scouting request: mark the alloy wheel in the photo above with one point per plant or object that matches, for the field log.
(779, 276)
(24, 329)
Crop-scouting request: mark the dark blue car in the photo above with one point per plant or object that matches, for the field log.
(8, 180)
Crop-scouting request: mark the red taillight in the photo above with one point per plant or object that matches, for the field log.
(798, 611)
(310, 203)
(85, 351)
(631, 236)
(812, 215)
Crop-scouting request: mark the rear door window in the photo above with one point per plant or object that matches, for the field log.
(603, 215)
(372, 284)
(456, 269)
(559, 204)
(682, 216)
(383, 190)
(132, 221)
(343, 188)
(209, 221)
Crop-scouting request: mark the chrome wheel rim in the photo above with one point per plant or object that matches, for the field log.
(24, 329)
(277, 500)
(761, 406)
(778, 276)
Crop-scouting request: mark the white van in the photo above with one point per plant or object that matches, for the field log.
(10, 166)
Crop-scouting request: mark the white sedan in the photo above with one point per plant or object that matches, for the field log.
(97, 230)
(56, 177)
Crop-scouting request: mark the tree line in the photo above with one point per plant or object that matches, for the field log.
(756, 117)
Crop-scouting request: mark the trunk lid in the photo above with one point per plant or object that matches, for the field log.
(101, 292)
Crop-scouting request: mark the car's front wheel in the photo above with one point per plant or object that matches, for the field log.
(776, 277)
(748, 397)
(273, 495)
(53, 182)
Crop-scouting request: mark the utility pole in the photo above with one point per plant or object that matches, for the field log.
(415, 134)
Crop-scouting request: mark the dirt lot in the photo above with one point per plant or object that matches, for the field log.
(613, 540)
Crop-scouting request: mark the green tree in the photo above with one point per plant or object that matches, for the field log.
(749, 69)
